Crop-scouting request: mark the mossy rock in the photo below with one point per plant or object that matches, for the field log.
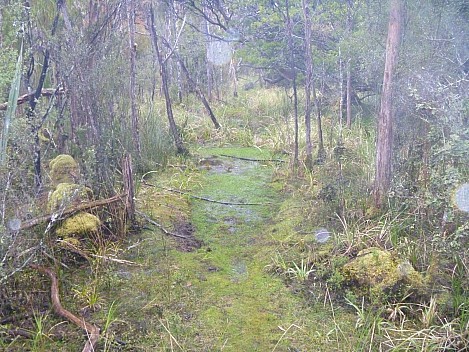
(78, 225)
(67, 194)
(64, 169)
(379, 274)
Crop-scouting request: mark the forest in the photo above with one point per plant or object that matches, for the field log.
(234, 175)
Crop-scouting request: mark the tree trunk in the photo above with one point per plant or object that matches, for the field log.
(181, 149)
(289, 32)
(385, 120)
(309, 86)
(208, 64)
(34, 98)
(348, 67)
(133, 98)
(349, 95)
(198, 91)
(234, 77)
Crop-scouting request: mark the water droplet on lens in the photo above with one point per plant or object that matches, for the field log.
(14, 224)
(461, 197)
(322, 235)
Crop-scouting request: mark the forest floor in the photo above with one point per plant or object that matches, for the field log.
(212, 290)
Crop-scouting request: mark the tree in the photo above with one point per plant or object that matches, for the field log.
(385, 120)
(309, 86)
(181, 149)
(133, 99)
(348, 68)
(291, 62)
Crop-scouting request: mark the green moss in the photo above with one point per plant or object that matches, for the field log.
(79, 224)
(63, 169)
(378, 274)
(219, 297)
(67, 194)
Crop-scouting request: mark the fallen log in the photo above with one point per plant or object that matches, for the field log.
(46, 92)
(91, 330)
(69, 211)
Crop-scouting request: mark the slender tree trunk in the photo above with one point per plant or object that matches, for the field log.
(309, 86)
(385, 120)
(35, 125)
(349, 95)
(234, 77)
(348, 67)
(289, 33)
(1, 26)
(209, 66)
(133, 98)
(198, 91)
(181, 149)
(321, 150)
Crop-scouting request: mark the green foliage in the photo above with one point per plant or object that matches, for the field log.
(300, 272)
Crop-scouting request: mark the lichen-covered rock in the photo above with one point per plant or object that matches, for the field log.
(63, 169)
(78, 225)
(379, 274)
(67, 194)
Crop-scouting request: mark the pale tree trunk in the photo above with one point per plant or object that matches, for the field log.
(209, 66)
(1, 26)
(349, 95)
(309, 86)
(289, 33)
(133, 74)
(348, 68)
(181, 149)
(385, 120)
(234, 77)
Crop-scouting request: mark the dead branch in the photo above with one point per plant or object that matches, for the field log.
(92, 331)
(153, 222)
(46, 92)
(87, 256)
(249, 159)
(115, 260)
(202, 198)
(20, 332)
(71, 210)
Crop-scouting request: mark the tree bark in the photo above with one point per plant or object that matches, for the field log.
(181, 149)
(309, 86)
(383, 166)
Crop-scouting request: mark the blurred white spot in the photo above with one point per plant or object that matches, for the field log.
(14, 224)
(219, 52)
(461, 197)
(322, 235)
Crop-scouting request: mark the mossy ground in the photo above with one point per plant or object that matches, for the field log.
(220, 296)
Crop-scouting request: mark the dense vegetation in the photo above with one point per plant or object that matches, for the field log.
(358, 110)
